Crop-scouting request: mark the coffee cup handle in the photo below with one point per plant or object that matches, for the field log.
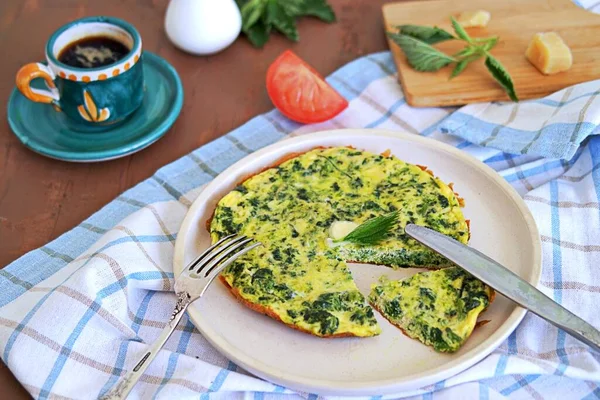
(32, 71)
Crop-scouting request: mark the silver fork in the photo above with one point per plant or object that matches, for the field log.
(189, 286)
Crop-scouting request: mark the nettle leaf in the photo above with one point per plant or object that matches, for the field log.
(501, 76)
(490, 44)
(420, 55)
(460, 31)
(427, 34)
(281, 20)
(466, 52)
(373, 230)
(461, 65)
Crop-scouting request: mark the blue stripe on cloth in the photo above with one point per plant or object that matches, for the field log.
(558, 104)
(67, 348)
(387, 114)
(501, 157)
(557, 271)
(312, 396)
(503, 361)
(436, 388)
(124, 347)
(219, 380)
(359, 78)
(484, 391)
(501, 366)
(279, 389)
(184, 340)
(259, 396)
(519, 384)
(463, 145)
(545, 167)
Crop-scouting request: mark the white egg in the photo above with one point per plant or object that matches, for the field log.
(202, 26)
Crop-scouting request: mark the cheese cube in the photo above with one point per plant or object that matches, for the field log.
(549, 53)
(470, 19)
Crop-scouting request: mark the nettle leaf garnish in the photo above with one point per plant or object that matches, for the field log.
(416, 42)
(427, 34)
(420, 55)
(372, 230)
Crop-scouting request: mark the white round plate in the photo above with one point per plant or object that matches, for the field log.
(501, 226)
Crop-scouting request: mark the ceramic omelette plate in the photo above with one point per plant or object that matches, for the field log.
(501, 227)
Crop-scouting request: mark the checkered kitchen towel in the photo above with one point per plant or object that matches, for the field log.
(76, 313)
(552, 127)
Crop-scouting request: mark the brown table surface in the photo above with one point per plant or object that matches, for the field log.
(41, 198)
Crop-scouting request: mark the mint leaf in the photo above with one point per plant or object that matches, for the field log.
(501, 76)
(319, 9)
(427, 34)
(292, 7)
(373, 230)
(251, 13)
(260, 16)
(259, 33)
(420, 55)
(460, 31)
(281, 20)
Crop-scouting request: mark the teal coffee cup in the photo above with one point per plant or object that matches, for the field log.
(93, 74)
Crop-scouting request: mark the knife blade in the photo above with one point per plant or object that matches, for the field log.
(507, 283)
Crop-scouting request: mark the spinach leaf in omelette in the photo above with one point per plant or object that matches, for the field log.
(438, 308)
(296, 277)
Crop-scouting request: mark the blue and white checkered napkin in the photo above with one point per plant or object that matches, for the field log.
(76, 313)
(552, 127)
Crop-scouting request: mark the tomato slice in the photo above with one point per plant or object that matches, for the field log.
(300, 93)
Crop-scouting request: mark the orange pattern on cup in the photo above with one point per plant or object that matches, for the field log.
(90, 112)
(115, 72)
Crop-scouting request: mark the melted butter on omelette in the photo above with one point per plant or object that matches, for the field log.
(438, 308)
(295, 275)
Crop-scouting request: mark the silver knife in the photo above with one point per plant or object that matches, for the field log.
(507, 283)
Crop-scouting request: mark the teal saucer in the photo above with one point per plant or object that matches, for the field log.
(45, 131)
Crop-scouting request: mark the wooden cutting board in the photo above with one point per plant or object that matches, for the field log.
(515, 22)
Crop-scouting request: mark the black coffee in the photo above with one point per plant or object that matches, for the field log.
(92, 52)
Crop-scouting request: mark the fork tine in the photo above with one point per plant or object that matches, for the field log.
(214, 270)
(220, 256)
(217, 251)
(211, 248)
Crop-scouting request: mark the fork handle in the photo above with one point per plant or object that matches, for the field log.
(127, 382)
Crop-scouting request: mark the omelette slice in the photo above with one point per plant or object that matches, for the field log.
(296, 277)
(438, 308)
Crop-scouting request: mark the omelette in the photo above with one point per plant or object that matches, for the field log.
(297, 276)
(438, 308)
